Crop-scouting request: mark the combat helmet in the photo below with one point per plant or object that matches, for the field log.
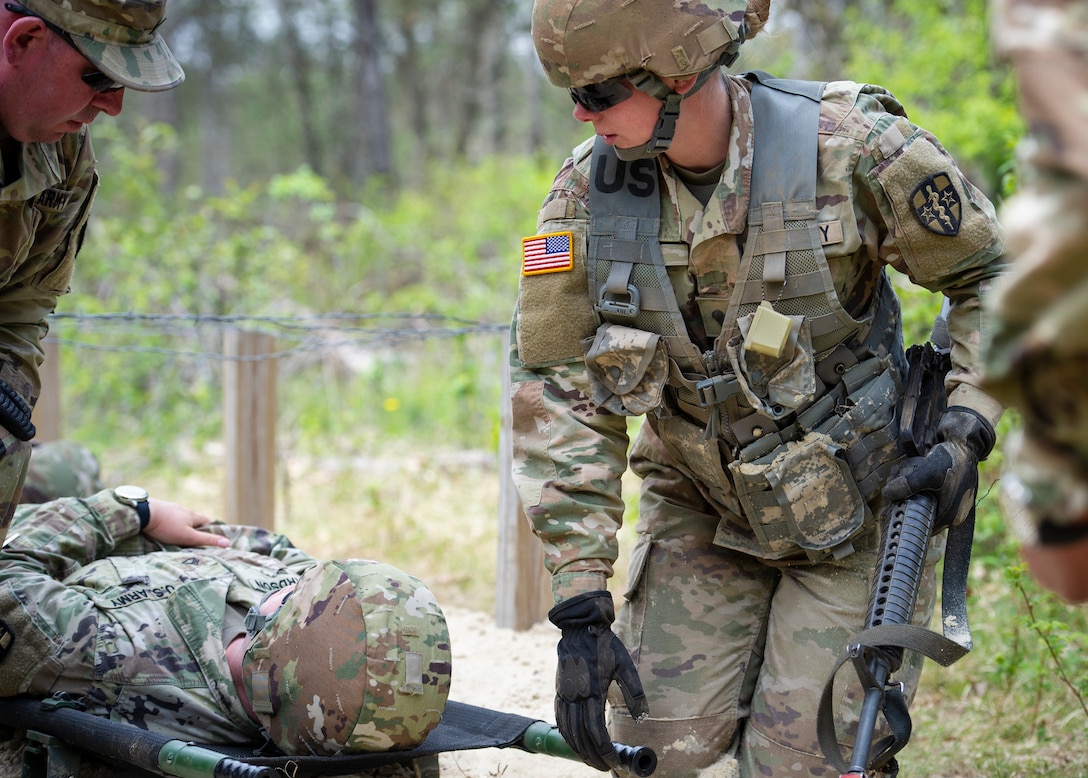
(589, 46)
(356, 659)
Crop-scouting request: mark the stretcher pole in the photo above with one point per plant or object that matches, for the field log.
(543, 738)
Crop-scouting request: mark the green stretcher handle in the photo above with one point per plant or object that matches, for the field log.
(176, 757)
(149, 751)
(543, 738)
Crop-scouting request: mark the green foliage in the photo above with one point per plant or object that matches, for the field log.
(290, 248)
(936, 58)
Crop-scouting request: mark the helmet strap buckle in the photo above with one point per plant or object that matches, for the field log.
(661, 139)
(732, 51)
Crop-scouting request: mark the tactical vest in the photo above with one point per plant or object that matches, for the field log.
(805, 422)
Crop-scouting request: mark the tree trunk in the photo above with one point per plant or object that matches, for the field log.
(371, 111)
(299, 67)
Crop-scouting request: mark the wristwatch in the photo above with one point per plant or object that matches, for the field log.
(135, 497)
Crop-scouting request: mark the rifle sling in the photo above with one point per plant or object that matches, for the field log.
(943, 649)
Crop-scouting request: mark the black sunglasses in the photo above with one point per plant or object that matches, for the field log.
(601, 96)
(96, 80)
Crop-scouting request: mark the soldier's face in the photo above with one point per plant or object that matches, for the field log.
(47, 76)
(626, 124)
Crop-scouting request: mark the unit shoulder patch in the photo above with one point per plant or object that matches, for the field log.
(937, 205)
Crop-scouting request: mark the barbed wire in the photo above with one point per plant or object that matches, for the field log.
(308, 332)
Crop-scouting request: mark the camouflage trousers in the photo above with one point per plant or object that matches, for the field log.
(14, 460)
(733, 650)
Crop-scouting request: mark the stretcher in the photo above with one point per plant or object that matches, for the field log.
(60, 732)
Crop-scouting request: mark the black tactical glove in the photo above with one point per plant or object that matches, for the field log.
(950, 468)
(590, 658)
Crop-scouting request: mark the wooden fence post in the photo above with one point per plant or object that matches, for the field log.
(46, 416)
(523, 586)
(249, 428)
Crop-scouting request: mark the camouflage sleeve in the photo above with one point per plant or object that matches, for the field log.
(1039, 310)
(41, 233)
(569, 454)
(98, 526)
(49, 542)
(59, 536)
(264, 542)
(941, 231)
(569, 457)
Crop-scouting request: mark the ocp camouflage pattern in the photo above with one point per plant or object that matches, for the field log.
(129, 21)
(1039, 313)
(44, 204)
(720, 631)
(60, 468)
(384, 671)
(121, 37)
(584, 42)
(570, 452)
(46, 192)
(136, 636)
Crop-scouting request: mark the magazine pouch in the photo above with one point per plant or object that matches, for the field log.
(629, 367)
(801, 496)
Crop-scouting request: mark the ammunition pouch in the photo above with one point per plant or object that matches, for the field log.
(807, 488)
(629, 368)
(776, 386)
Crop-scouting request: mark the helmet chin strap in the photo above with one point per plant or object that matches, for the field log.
(645, 81)
(661, 138)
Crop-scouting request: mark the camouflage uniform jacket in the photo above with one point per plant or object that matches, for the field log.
(46, 193)
(570, 453)
(90, 607)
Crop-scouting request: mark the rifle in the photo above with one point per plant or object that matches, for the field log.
(877, 651)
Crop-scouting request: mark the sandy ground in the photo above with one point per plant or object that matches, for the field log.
(510, 671)
(501, 669)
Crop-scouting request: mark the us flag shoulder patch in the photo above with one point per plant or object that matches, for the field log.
(549, 253)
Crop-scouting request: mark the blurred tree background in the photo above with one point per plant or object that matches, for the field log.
(364, 90)
(381, 157)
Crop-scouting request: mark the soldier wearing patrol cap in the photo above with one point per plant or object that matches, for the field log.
(1039, 313)
(717, 260)
(222, 645)
(63, 63)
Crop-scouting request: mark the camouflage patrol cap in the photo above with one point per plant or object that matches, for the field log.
(119, 36)
(583, 42)
(357, 659)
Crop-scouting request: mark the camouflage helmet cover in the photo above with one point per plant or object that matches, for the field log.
(121, 37)
(357, 659)
(583, 42)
